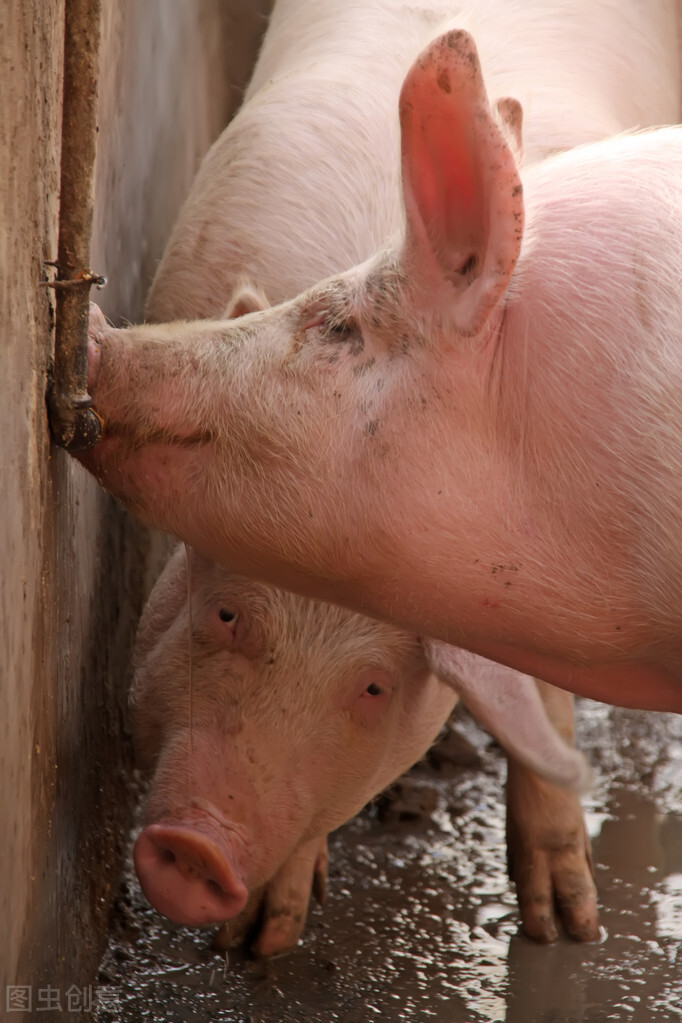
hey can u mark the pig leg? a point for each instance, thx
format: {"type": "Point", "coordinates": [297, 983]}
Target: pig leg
{"type": "Point", "coordinates": [548, 848]}
{"type": "Point", "coordinates": [277, 913]}
{"type": "Point", "coordinates": [287, 897]}
{"type": "Point", "coordinates": [236, 932]}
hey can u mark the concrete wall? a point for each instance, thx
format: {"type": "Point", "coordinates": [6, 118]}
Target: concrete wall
{"type": "Point", "coordinates": [74, 568]}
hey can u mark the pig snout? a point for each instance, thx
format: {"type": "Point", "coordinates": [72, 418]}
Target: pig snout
{"type": "Point", "coordinates": [187, 874]}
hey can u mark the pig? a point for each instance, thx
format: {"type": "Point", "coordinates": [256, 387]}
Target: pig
{"type": "Point", "coordinates": [528, 513]}
{"type": "Point", "coordinates": [305, 181]}
{"type": "Point", "coordinates": [266, 720]}
{"type": "Point", "coordinates": [247, 784]}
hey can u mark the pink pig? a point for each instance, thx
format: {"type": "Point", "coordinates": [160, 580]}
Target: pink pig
{"type": "Point", "coordinates": [475, 434]}
{"type": "Point", "coordinates": [269, 719]}
{"type": "Point", "coordinates": [226, 232]}
{"type": "Point", "coordinates": [305, 181]}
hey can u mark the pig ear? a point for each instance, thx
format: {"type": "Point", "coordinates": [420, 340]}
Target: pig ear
{"type": "Point", "coordinates": [462, 191]}
{"type": "Point", "coordinates": [246, 298]}
{"type": "Point", "coordinates": [509, 705]}
{"type": "Point", "coordinates": [165, 602]}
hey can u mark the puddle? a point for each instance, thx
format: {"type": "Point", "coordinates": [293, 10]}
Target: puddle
{"type": "Point", "coordinates": [421, 923]}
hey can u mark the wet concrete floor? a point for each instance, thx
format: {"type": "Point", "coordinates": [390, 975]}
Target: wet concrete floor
{"type": "Point", "coordinates": [421, 924]}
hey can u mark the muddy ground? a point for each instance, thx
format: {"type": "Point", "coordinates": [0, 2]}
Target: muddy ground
{"type": "Point", "coordinates": [420, 922]}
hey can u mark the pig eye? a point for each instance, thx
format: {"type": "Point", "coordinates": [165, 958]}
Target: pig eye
{"type": "Point", "coordinates": [374, 689]}
{"type": "Point", "coordinates": [226, 615]}
{"type": "Point", "coordinates": [332, 329]}
{"type": "Point", "coordinates": [372, 695]}
{"type": "Point", "coordinates": [339, 330]}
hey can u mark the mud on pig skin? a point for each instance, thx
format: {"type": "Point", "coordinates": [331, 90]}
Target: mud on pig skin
{"type": "Point", "coordinates": [475, 434]}
{"type": "Point", "coordinates": [267, 720]}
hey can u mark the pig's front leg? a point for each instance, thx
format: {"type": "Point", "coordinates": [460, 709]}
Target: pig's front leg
{"type": "Point", "coordinates": [548, 847]}
{"type": "Point", "coordinates": [282, 913]}
{"type": "Point", "coordinates": [287, 897]}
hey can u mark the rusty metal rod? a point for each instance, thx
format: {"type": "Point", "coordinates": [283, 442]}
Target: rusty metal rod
{"type": "Point", "coordinates": [74, 424]}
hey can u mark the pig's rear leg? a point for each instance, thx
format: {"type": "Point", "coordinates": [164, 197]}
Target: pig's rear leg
{"type": "Point", "coordinates": [548, 848]}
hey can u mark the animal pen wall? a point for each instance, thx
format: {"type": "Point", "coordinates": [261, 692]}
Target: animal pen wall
{"type": "Point", "coordinates": [75, 568]}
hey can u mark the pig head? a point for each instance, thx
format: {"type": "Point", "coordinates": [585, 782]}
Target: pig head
{"type": "Point", "coordinates": [267, 720]}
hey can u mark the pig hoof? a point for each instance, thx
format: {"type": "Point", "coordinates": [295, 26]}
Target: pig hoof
{"type": "Point", "coordinates": [549, 859]}
{"type": "Point", "coordinates": [280, 933]}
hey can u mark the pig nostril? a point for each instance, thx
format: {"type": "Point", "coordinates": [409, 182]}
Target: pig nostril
{"type": "Point", "coordinates": [167, 855]}
{"type": "Point", "coordinates": [214, 887]}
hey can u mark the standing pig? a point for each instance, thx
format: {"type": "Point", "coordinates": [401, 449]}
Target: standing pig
{"type": "Point", "coordinates": [475, 434]}
{"type": "Point", "coordinates": [269, 719]}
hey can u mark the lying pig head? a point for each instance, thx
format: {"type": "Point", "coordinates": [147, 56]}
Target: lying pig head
{"type": "Point", "coordinates": [266, 720]}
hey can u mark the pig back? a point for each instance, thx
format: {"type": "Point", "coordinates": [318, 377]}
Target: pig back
{"type": "Point", "coordinates": [304, 182]}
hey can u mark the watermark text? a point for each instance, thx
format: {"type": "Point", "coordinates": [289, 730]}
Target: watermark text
{"type": "Point", "coordinates": [32, 998]}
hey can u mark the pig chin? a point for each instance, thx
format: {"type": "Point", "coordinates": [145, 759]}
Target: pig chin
{"type": "Point", "coordinates": [144, 478]}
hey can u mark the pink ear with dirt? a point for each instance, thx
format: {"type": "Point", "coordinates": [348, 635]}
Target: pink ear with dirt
{"type": "Point", "coordinates": [462, 190]}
